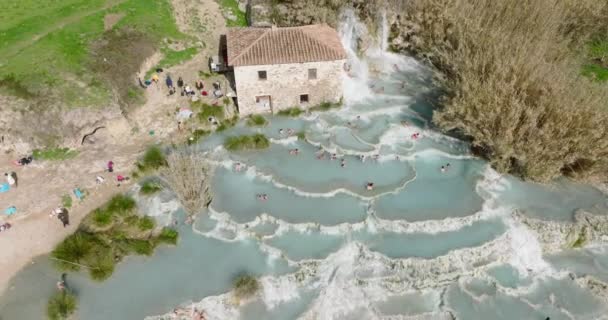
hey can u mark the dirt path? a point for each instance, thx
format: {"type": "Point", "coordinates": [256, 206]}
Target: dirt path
{"type": "Point", "coordinates": [42, 184]}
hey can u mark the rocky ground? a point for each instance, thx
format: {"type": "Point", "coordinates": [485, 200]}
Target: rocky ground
{"type": "Point", "coordinates": [122, 140]}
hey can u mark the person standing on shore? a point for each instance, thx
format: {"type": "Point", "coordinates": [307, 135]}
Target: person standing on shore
{"type": "Point", "coordinates": [110, 166]}
{"type": "Point", "coordinates": [13, 174]}
{"type": "Point", "coordinates": [9, 179]}
{"type": "Point", "coordinates": [64, 217]}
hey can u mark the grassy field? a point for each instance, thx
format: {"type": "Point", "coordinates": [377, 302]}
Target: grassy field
{"type": "Point", "coordinates": [48, 44]}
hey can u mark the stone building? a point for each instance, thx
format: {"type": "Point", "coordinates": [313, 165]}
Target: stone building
{"type": "Point", "coordinates": [281, 68]}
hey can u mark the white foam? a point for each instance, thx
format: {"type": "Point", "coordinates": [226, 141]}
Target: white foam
{"type": "Point", "coordinates": [526, 255]}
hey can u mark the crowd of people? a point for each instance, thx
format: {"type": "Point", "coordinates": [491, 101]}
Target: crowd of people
{"type": "Point", "coordinates": [60, 212]}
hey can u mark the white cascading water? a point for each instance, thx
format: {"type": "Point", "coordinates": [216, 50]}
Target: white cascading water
{"type": "Point", "coordinates": [335, 276]}
{"type": "Point", "coordinates": [356, 76]}
{"type": "Point", "coordinates": [384, 35]}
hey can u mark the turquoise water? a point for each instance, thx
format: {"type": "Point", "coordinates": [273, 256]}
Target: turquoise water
{"type": "Point", "coordinates": [422, 242]}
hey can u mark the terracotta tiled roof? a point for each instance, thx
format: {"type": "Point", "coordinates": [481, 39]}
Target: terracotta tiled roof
{"type": "Point", "coordinates": [263, 46]}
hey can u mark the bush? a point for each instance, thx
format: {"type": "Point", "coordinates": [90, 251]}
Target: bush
{"type": "Point", "coordinates": [189, 175]}
{"type": "Point", "coordinates": [204, 111]}
{"type": "Point", "coordinates": [100, 250]}
{"type": "Point", "coordinates": [153, 159]}
{"type": "Point", "coordinates": [61, 305]}
{"type": "Point", "coordinates": [121, 204]}
{"type": "Point", "coordinates": [102, 218]}
{"type": "Point", "coordinates": [245, 286]}
{"type": "Point", "coordinates": [141, 247]}
{"type": "Point", "coordinates": [168, 236]}
{"type": "Point", "coordinates": [527, 110]}
{"type": "Point", "coordinates": [66, 201]}
{"type": "Point", "coordinates": [146, 223]}
{"type": "Point", "coordinates": [227, 123]}
{"type": "Point", "coordinates": [150, 187]}
{"type": "Point", "coordinates": [197, 135]}
{"type": "Point", "coordinates": [301, 135]}
{"type": "Point", "coordinates": [253, 142]}
{"type": "Point", "coordinates": [102, 263]}
{"type": "Point", "coordinates": [291, 112]}
{"type": "Point", "coordinates": [256, 120]}
{"type": "Point", "coordinates": [73, 250]}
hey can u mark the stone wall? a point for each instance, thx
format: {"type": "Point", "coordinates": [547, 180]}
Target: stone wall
{"type": "Point", "coordinates": [285, 83]}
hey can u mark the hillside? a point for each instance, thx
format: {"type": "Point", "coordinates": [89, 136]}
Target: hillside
{"type": "Point", "coordinates": [67, 67]}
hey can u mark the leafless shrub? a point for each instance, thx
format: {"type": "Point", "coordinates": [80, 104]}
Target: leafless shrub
{"type": "Point", "coordinates": [189, 175]}
{"type": "Point", "coordinates": [512, 73]}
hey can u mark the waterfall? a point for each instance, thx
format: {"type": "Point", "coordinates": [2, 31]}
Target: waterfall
{"type": "Point", "coordinates": [356, 78]}
{"type": "Point", "coordinates": [384, 33]}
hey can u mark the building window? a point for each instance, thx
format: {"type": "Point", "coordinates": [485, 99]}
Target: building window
{"type": "Point", "coordinates": [262, 75]}
{"type": "Point", "coordinates": [312, 74]}
{"type": "Point", "coordinates": [303, 98]}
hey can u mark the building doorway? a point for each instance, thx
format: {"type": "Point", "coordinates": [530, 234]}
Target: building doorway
{"type": "Point", "coordinates": [264, 103]}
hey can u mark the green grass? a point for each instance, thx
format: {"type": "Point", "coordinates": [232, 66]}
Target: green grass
{"type": "Point", "coordinates": [252, 142]}
{"type": "Point", "coordinates": [121, 204]}
{"type": "Point", "coordinates": [581, 240]}
{"type": "Point", "coordinates": [597, 66]}
{"type": "Point", "coordinates": [54, 154]}
{"type": "Point", "coordinates": [232, 7]}
{"type": "Point", "coordinates": [153, 159]}
{"type": "Point", "coordinates": [256, 120]}
{"type": "Point", "coordinates": [228, 123]}
{"type": "Point", "coordinates": [301, 135]}
{"type": "Point", "coordinates": [42, 42]}
{"type": "Point", "coordinates": [598, 49]}
{"type": "Point", "coordinates": [106, 236]}
{"type": "Point", "coordinates": [102, 218]}
{"type": "Point", "coordinates": [295, 111]}
{"type": "Point", "coordinates": [204, 111]}
{"type": "Point", "coordinates": [169, 236]}
{"type": "Point", "coordinates": [146, 223]}
{"type": "Point", "coordinates": [173, 58]}
{"type": "Point", "coordinates": [291, 112]}
{"type": "Point", "coordinates": [325, 106]}
{"type": "Point", "coordinates": [66, 201]}
{"type": "Point", "coordinates": [150, 187]}
{"type": "Point", "coordinates": [596, 72]}
{"type": "Point", "coordinates": [197, 135]}
{"type": "Point", "coordinates": [245, 286]}
{"type": "Point", "coordinates": [61, 305]}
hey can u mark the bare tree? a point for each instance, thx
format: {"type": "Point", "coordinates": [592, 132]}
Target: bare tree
{"type": "Point", "coordinates": [189, 175]}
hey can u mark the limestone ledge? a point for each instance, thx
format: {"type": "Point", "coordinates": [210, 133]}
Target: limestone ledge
{"type": "Point", "coordinates": [556, 236]}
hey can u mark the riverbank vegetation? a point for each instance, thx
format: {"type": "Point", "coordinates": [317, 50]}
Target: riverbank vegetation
{"type": "Point", "coordinates": [296, 111]}
{"type": "Point", "coordinates": [325, 106]}
{"type": "Point", "coordinates": [245, 286]}
{"type": "Point", "coordinates": [511, 71]}
{"type": "Point", "coordinates": [107, 235]}
{"type": "Point", "coordinates": [290, 112]}
{"type": "Point", "coordinates": [61, 305]}
{"type": "Point", "coordinates": [153, 159]}
{"type": "Point", "coordinates": [150, 187]}
{"type": "Point", "coordinates": [256, 120]}
{"type": "Point", "coordinates": [189, 176]}
{"type": "Point", "coordinates": [245, 142]}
